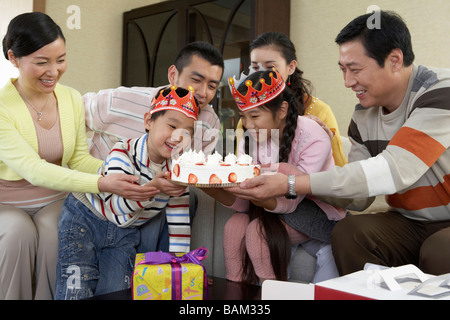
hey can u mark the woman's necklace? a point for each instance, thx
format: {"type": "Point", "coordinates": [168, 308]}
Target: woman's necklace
{"type": "Point", "coordinates": [39, 113]}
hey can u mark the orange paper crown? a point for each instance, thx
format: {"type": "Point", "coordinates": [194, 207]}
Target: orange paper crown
{"type": "Point", "coordinates": [172, 101]}
{"type": "Point", "coordinates": [255, 98]}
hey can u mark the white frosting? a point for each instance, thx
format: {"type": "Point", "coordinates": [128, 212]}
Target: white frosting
{"type": "Point", "coordinates": [214, 159]}
{"type": "Point", "coordinates": [230, 159]}
{"type": "Point", "coordinates": [191, 167]}
{"type": "Point", "coordinates": [192, 157]}
{"type": "Point", "coordinates": [244, 159]}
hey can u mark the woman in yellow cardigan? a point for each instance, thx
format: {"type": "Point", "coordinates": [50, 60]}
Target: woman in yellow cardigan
{"type": "Point", "coordinates": [43, 155]}
{"type": "Point", "coordinates": [273, 49]}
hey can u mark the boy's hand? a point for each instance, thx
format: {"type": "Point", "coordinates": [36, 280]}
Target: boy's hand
{"type": "Point", "coordinates": [161, 182]}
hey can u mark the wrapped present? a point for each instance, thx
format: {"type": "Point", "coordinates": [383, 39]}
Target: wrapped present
{"type": "Point", "coordinates": [167, 276]}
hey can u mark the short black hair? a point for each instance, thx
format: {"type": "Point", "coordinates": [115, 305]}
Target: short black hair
{"type": "Point", "coordinates": [29, 32]}
{"type": "Point", "coordinates": [379, 42]}
{"type": "Point", "coordinates": [204, 50]}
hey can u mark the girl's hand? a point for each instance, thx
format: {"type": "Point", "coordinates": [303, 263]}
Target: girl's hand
{"type": "Point", "coordinates": [125, 186]}
{"type": "Point", "coordinates": [268, 186]}
{"type": "Point", "coordinates": [261, 188]}
{"type": "Point", "coordinates": [161, 182]}
{"type": "Point", "coordinates": [221, 195]}
{"type": "Point", "coordinates": [212, 192]}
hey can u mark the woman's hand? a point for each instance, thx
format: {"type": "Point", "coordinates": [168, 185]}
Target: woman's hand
{"type": "Point", "coordinates": [126, 186]}
{"type": "Point", "coordinates": [322, 124]}
{"type": "Point", "coordinates": [161, 182]}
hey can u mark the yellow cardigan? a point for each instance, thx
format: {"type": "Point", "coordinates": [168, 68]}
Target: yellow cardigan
{"type": "Point", "coordinates": [19, 158]}
{"type": "Point", "coordinates": [323, 111]}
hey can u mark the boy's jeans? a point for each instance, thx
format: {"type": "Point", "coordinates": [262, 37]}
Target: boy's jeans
{"type": "Point", "coordinates": [94, 256]}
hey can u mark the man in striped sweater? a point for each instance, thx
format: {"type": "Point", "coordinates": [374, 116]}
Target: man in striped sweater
{"type": "Point", "coordinates": [100, 233]}
{"type": "Point", "coordinates": [400, 138]}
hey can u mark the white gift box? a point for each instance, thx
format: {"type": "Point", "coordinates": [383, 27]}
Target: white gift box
{"type": "Point", "coordinates": [381, 283]}
{"type": "Point", "coordinates": [373, 283]}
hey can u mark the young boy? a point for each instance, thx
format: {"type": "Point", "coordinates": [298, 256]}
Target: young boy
{"type": "Point", "coordinates": [99, 233]}
{"type": "Point", "coordinates": [116, 113]}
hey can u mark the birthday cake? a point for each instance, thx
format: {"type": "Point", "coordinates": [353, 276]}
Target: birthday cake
{"type": "Point", "coordinates": [194, 168]}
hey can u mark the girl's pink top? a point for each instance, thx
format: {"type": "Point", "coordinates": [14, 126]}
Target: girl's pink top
{"type": "Point", "coordinates": [310, 152]}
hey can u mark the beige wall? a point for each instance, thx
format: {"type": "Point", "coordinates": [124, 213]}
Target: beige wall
{"type": "Point", "coordinates": [315, 24]}
{"type": "Point", "coordinates": [95, 50]}
{"type": "Point", "coordinates": [8, 10]}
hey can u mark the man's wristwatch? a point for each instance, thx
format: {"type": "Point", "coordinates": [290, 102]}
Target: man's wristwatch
{"type": "Point", "coordinates": [291, 187]}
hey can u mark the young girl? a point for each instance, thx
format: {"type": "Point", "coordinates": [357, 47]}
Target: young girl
{"type": "Point", "coordinates": [276, 50]}
{"type": "Point", "coordinates": [257, 240]}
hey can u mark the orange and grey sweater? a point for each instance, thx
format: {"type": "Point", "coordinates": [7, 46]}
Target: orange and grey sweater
{"type": "Point", "coordinates": [403, 155]}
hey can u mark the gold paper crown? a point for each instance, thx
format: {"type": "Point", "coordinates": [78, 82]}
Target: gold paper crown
{"type": "Point", "coordinates": [172, 101]}
{"type": "Point", "coordinates": [255, 98]}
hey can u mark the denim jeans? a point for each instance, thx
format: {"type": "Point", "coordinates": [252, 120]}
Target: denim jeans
{"type": "Point", "coordinates": [90, 247]}
{"type": "Point", "coordinates": [94, 256]}
{"type": "Point", "coordinates": [155, 233]}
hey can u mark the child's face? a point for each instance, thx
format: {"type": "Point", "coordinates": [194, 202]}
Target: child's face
{"type": "Point", "coordinates": [168, 134]}
{"type": "Point", "coordinates": [261, 121]}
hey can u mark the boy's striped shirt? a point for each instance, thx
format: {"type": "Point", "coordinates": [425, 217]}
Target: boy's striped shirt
{"type": "Point", "coordinates": [131, 157]}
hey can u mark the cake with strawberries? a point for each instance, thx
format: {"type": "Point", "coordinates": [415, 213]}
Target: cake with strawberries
{"type": "Point", "coordinates": [194, 168]}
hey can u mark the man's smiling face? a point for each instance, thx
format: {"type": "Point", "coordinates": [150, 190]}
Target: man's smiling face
{"type": "Point", "coordinates": [372, 84]}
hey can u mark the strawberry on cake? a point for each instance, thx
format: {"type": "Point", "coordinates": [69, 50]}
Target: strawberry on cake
{"type": "Point", "coordinates": [194, 168]}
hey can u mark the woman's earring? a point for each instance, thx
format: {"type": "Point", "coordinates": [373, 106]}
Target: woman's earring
{"type": "Point", "coordinates": [289, 81]}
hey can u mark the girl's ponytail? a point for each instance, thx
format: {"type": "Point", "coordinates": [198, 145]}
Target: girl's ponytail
{"type": "Point", "coordinates": [290, 126]}
{"type": "Point", "coordinates": [301, 89]}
